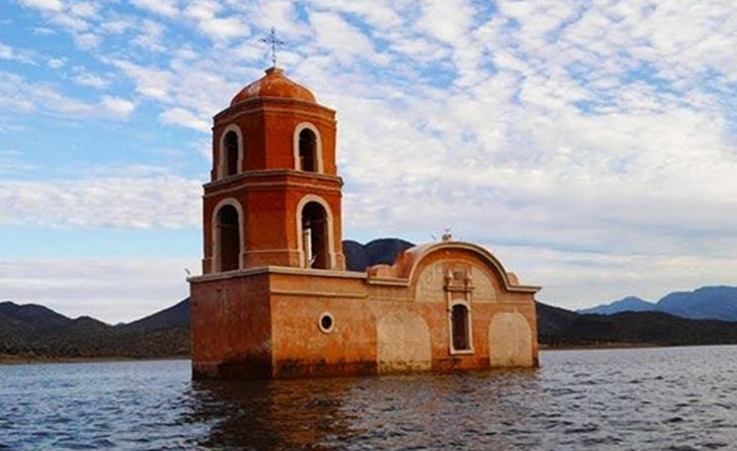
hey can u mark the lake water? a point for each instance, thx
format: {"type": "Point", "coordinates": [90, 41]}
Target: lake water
{"type": "Point", "coordinates": [663, 398]}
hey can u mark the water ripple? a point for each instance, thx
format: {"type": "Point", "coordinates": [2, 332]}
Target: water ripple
{"type": "Point", "coordinates": [675, 398]}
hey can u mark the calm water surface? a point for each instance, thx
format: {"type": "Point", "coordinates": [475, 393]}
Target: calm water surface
{"type": "Point", "coordinates": [666, 398]}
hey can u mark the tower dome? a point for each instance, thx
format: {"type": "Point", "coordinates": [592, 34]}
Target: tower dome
{"type": "Point", "coordinates": [274, 84]}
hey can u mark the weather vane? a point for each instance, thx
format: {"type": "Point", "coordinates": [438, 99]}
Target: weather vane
{"type": "Point", "coordinates": [274, 41]}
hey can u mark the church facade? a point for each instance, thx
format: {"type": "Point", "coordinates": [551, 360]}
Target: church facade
{"type": "Point", "coordinates": [275, 299]}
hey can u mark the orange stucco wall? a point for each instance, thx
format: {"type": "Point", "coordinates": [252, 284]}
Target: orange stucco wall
{"type": "Point", "coordinates": [268, 127]}
{"type": "Point", "coordinates": [265, 324]}
{"type": "Point", "coordinates": [268, 187]}
{"type": "Point", "coordinates": [231, 327]}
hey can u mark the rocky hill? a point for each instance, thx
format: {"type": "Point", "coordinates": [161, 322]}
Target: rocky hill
{"type": "Point", "coordinates": [33, 331]}
{"type": "Point", "coordinates": [359, 256]}
{"type": "Point", "coordinates": [174, 316]}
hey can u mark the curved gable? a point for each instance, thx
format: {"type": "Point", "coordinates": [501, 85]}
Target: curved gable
{"type": "Point", "coordinates": [409, 265]}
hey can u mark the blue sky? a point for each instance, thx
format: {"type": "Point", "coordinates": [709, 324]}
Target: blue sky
{"type": "Point", "coordinates": [591, 145]}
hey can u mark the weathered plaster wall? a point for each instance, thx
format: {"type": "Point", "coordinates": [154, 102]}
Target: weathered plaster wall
{"type": "Point", "coordinates": [403, 342]}
{"type": "Point", "coordinates": [430, 283]}
{"type": "Point", "coordinates": [231, 327]}
{"type": "Point", "coordinates": [510, 340]}
{"type": "Point", "coordinates": [484, 289]}
{"type": "Point", "coordinates": [301, 348]}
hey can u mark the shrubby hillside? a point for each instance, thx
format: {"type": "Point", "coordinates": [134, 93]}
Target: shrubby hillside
{"type": "Point", "coordinates": [558, 327]}
{"type": "Point", "coordinates": [33, 331]}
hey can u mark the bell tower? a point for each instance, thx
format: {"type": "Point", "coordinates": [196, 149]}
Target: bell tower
{"type": "Point", "coordinates": [274, 196]}
{"type": "Point", "coordinates": [275, 300]}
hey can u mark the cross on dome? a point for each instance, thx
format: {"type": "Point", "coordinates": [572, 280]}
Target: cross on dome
{"type": "Point", "coordinates": [274, 41]}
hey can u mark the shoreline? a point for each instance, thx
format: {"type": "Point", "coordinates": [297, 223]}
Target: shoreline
{"type": "Point", "coordinates": [6, 359]}
{"type": "Point", "coordinates": [613, 345]}
{"type": "Point", "coordinates": [40, 360]}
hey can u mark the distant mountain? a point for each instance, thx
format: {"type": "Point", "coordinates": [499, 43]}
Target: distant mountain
{"type": "Point", "coordinates": [32, 314]}
{"type": "Point", "coordinates": [175, 316]}
{"type": "Point", "coordinates": [559, 327]}
{"type": "Point", "coordinates": [719, 303]}
{"type": "Point", "coordinates": [33, 331]}
{"type": "Point", "coordinates": [706, 302]}
{"type": "Point", "coordinates": [355, 256]}
{"type": "Point", "coordinates": [359, 256]}
{"type": "Point", "coordinates": [628, 304]}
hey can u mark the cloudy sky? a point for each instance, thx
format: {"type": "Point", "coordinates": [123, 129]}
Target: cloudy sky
{"type": "Point", "coordinates": [591, 145]}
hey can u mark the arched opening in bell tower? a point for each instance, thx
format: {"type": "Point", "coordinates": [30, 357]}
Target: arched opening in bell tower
{"type": "Point", "coordinates": [231, 153]}
{"type": "Point", "coordinates": [315, 240]}
{"type": "Point", "coordinates": [228, 242]}
{"type": "Point", "coordinates": [308, 151]}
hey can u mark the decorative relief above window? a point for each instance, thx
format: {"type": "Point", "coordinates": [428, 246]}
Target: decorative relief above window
{"type": "Point", "coordinates": [458, 278]}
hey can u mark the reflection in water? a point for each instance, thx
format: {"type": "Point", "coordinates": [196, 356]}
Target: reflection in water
{"type": "Point", "coordinates": [269, 415]}
{"type": "Point", "coordinates": [418, 411]}
{"type": "Point", "coordinates": [674, 398]}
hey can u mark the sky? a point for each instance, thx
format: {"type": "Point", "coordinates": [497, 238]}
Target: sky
{"type": "Point", "coordinates": [590, 145]}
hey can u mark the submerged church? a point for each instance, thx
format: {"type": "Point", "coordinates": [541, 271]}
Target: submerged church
{"type": "Point", "coordinates": [275, 299]}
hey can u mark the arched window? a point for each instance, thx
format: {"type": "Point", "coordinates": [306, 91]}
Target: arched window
{"type": "Point", "coordinates": [308, 151]}
{"type": "Point", "coordinates": [230, 153]}
{"type": "Point", "coordinates": [228, 239]}
{"type": "Point", "coordinates": [315, 236]}
{"type": "Point", "coordinates": [460, 328]}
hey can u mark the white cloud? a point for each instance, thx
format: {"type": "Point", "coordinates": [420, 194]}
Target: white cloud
{"type": "Point", "coordinates": [87, 40]}
{"type": "Point", "coordinates": [150, 82]}
{"type": "Point", "coordinates": [382, 15]}
{"type": "Point", "coordinates": [168, 8]}
{"type": "Point", "coordinates": [56, 63]}
{"type": "Point", "coordinates": [280, 14]}
{"type": "Point", "coordinates": [184, 118]}
{"type": "Point", "coordinates": [84, 9]}
{"type": "Point", "coordinates": [205, 14]}
{"type": "Point", "coordinates": [151, 36]}
{"type": "Point", "coordinates": [448, 22]}
{"type": "Point", "coordinates": [12, 94]}
{"type": "Point", "coordinates": [110, 289]}
{"type": "Point", "coordinates": [189, 91]}
{"type": "Point", "coordinates": [117, 106]}
{"type": "Point", "coordinates": [84, 78]}
{"type": "Point", "coordinates": [345, 42]}
{"type": "Point", "coordinates": [132, 202]}
{"type": "Point", "coordinates": [6, 52]}
{"type": "Point", "coordinates": [15, 54]}
{"type": "Point", "coordinates": [47, 5]}
{"type": "Point", "coordinates": [576, 279]}
{"type": "Point", "coordinates": [117, 25]}
{"type": "Point", "coordinates": [18, 94]}
{"type": "Point", "coordinates": [75, 24]}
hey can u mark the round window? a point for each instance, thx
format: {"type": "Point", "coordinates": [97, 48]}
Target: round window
{"type": "Point", "coordinates": [326, 322]}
